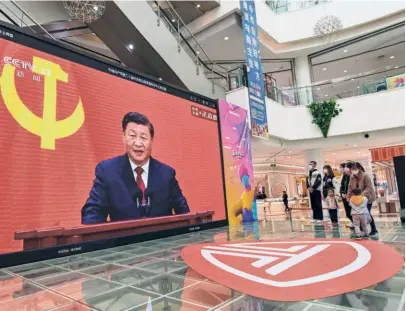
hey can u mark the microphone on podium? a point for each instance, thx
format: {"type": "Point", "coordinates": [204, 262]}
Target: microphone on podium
{"type": "Point", "coordinates": [138, 197]}
{"type": "Point", "coordinates": [148, 197]}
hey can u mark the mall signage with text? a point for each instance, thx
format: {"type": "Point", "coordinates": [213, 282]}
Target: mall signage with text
{"type": "Point", "coordinates": [256, 91]}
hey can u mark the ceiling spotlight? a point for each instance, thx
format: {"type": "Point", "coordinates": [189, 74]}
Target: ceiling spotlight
{"type": "Point", "coordinates": [318, 89]}
{"type": "Point", "coordinates": [396, 67]}
{"type": "Point", "coordinates": [352, 79]}
{"type": "Point", "coordinates": [95, 7]}
{"type": "Point", "coordinates": [325, 95]}
{"type": "Point", "coordinates": [345, 71]}
{"type": "Point", "coordinates": [324, 69]}
{"type": "Point", "coordinates": [130, 46]}
{"type": "Point", "coordinates": [358, 87]}
{"type": "Point", "coordinates": [226, 38]}
{"type": "Point", "coordinates": [173, 20]}
{"type": "Point", "coordinates": [160, 79]}
{"type": "Point", "coordinates": [392, 57]}
{"type": "Point", "coordinates": [345, 51]}
{"type": "Point", "coordinates": [198, 5]}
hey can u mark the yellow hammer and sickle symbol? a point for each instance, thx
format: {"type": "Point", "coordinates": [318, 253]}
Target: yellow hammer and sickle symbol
{"type": "Point", "coordinates": [47, 127]}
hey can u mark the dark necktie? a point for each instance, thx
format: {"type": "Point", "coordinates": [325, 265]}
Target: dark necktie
{"type": "Point", "coordinates": [140, 182]}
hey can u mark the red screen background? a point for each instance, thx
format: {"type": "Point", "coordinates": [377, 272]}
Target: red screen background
{"type": "Point", "coordinates": [42, 188]}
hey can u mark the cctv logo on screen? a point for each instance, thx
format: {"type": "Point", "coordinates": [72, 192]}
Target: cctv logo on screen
{"type": "Point", "coordinates": [46, 127]}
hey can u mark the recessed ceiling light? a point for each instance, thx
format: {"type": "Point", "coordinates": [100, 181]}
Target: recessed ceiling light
{"type": "Point", "coordinates": [352, 79]}
{"type": "Point", "coordinates": [173, 20]}
{"type": "Point", "coordinates": [392, 57]}
{"type": "Point", "coordinates": [318, 89]}
{"type": "Point", "coordinates": [325, 95]}
{"type": "Point", "coordinates": [95, 7]}
{"type": "Point", "coordinates": [198, 5]}
{"type": "Point", "coordinates": [358, 87]}
{"type": "Point", "coordinates": [160, 79]}
{"type": "Point", "coordinates": [324, 69]}
{"type": "Point", "coordinates": [345, 51]}
{"type": "Point", "coordinates": [345, 71]}
{"type": "Point", "coordinates": [226, 38]}
{"type": "Point", "coordinates": [130, 46]}
{"type": "Point", "coordinates": [396, 67]}
{"type": "Point", "coordinates": [197, 52]}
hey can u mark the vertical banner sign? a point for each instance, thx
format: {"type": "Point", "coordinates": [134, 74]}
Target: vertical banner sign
{"type": "Point", "coordinates": [256, 91]}
{"type": "Point", "coordinates": [238, 169]}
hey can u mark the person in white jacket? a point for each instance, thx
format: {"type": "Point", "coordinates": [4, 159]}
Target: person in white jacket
{"type": "Point", "coordinates": [360, 214]}
{"type": "Point", "coordinates": [330, 182]}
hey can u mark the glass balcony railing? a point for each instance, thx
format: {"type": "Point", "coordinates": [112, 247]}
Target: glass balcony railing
{"type": "Point", "coordinates": [281, 6]}
{"type": "Point", "coordinates": [339, 90]}
{"type": "Point", "coordinates": [294, 96]}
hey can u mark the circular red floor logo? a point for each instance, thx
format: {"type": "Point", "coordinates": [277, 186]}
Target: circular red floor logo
{"type": "Point", "coordinates": [295, 270]}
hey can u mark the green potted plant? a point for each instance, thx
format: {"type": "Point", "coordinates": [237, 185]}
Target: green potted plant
{"type": "Point", "coordinates": [323, 112]}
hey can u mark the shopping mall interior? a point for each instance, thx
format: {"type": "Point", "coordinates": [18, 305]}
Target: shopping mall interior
{"type": "Point", "coordinates": [245, 106]}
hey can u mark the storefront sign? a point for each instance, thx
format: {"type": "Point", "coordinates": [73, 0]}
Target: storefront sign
{"type": "Point", "coordinates": [387, 153]}
{"type": "Point", "coordinates": [295, 270]}
{"type": "Point", "coordinates": [256, 91]}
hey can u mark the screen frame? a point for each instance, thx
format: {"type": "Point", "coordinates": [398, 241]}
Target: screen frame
{"type": "Point", "coordinates": [43, 44]}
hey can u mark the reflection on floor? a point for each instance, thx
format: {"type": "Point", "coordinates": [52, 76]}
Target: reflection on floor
{"type": "Point", "coordinates": [152, 276]}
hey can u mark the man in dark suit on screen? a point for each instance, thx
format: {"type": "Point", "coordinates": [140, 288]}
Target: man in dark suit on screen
{"type": "Point", "coordinates": [121, 181]}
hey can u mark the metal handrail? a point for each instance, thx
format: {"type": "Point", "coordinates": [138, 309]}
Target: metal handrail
{"type": "Point", "coordinates": [33, 20]}
{"type": "Point", "coordinates": [194, 52]}
{"type": "Point", "coordinates": [184, 26]}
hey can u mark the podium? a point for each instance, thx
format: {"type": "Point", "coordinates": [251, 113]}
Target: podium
{"type": "Point", "coordinates": [41, 238]}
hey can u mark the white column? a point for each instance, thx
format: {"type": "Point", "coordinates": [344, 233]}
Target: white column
{"type": "Point", "coordinates": [303, 80]}
{"type": "Point", "coordinates": [314, 155]}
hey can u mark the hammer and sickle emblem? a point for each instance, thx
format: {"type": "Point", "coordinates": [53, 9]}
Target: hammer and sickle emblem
{"type": "Point", "coordinates": [47, 127]}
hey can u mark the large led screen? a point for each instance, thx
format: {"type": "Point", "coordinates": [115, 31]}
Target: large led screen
{"type": "Point", "coordinates": [85, 152]}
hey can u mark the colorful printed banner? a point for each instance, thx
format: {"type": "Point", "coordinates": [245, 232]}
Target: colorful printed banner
{"type": "Point", "coordinates": [395, 81]}
{"type": "Point", "coordinates": [259, 123]}
{"type": "Point", "coordinates": [238, 169]}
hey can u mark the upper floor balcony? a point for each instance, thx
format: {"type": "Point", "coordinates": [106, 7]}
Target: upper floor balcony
{"type": "Point", "coordinates": [293, 32]}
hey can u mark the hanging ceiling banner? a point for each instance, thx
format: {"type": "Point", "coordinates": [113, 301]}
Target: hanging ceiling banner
{"type": "Point", "coordinates": [256, 91]}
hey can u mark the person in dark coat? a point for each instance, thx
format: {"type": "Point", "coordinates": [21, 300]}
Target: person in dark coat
{"type": "Point", "coordinates": [315, 186]}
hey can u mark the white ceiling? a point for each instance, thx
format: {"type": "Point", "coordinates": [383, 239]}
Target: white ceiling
{"type": "Point", "coordinates": [384, 39]}
{"type": "Point", "coordinates": [367, 65]}
{"type": "Point", "coordinates": [378, 60]}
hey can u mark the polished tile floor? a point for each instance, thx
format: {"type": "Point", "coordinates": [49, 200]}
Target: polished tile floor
{"type": "Point", "coordinates": [152, 276]}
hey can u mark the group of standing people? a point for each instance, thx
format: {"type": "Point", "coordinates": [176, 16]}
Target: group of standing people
{"type": "Point", "coordinates": [355, 183]}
